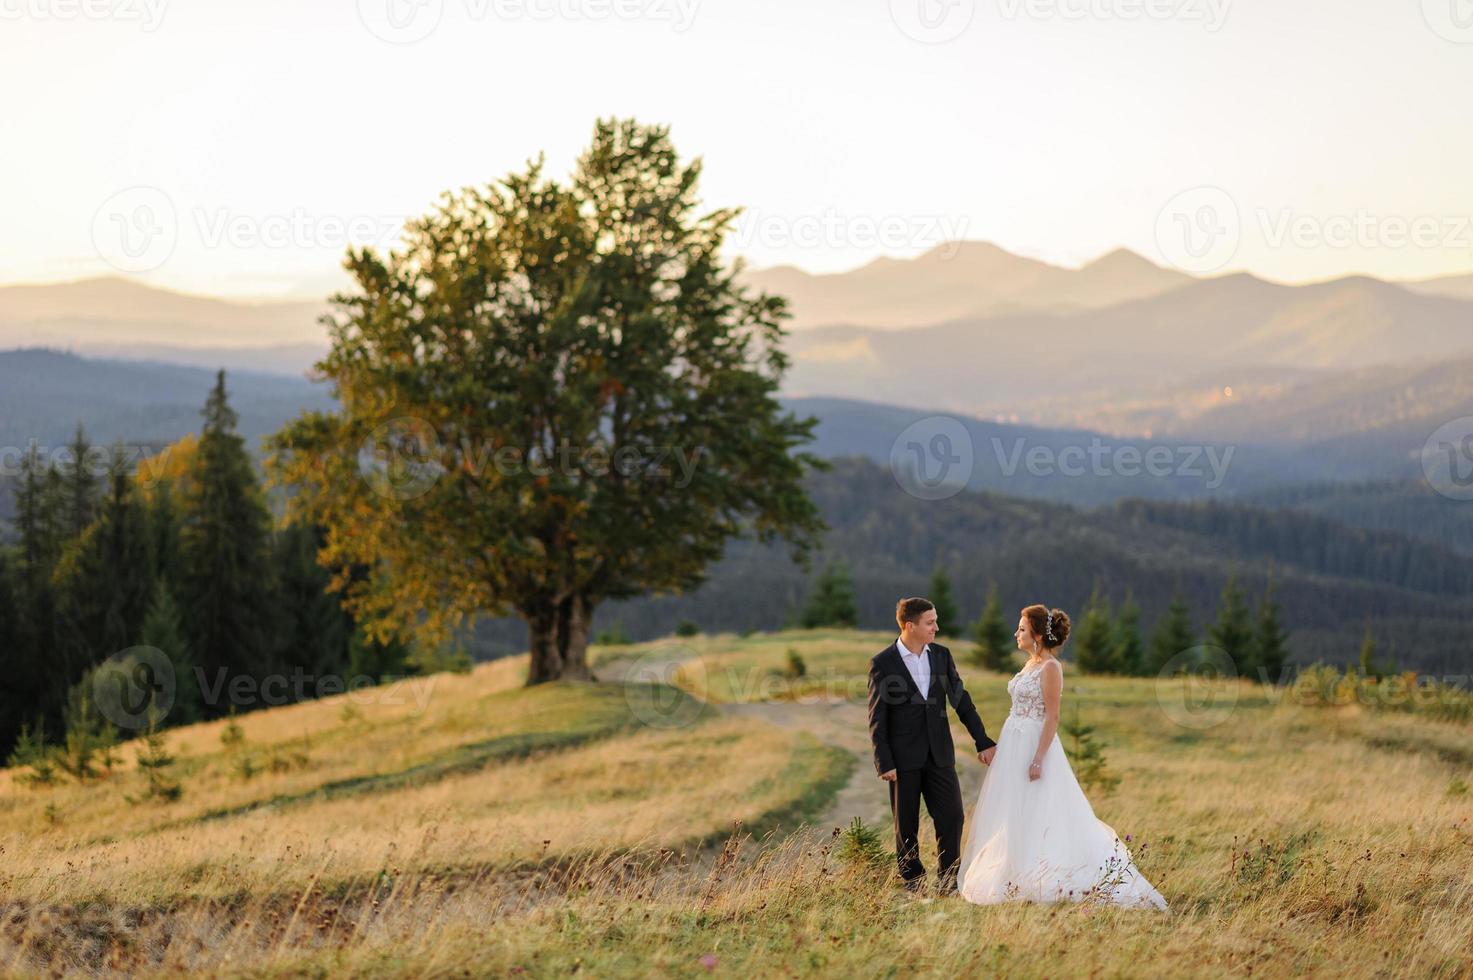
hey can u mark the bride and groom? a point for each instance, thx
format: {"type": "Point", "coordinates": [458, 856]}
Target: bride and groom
{"type": "Point", "coordinates": [1034, 835]}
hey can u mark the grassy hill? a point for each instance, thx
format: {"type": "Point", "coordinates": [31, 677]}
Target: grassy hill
{"type": "Point", "coordinates": [476, 825]}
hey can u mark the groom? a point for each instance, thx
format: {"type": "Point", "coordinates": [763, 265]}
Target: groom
{"type": "Point", "coordinates": [910, 682]}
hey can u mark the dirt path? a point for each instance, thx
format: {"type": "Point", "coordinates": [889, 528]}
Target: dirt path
{"type": "Point", "coordinates": [843, 724]}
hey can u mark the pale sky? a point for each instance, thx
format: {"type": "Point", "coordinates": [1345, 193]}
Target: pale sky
{"type": "Point", "coordinates": [236, 144]}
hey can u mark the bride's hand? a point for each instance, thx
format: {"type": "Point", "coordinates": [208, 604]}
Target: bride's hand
{"type": "Point", "coordinates": [1035, 770]}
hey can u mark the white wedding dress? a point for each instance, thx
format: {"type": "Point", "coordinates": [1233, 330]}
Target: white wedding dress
{"type": "Point", "coordinates": [1039, 840]}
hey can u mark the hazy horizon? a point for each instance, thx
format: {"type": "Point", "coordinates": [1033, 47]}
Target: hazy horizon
{"type": "Point", "coordinates": [250, 143]}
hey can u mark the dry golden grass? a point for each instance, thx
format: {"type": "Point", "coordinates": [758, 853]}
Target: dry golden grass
{"type": "Point", "coordinates": [1288, 840]}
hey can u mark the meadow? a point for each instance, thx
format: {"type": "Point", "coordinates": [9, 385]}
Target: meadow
{"type": "Point", "coordinates": [687, 816]}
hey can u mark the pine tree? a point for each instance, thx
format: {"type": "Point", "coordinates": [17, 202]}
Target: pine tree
{"type": "Point", "coordinates": [1094, 645]}
{"type": "Point", "coordinates": [163, 533]}
{"type": "Point", "coordinates": [81, 486]}
{"type": "Point", "coordinates": [31, 751]}
{"type": "Point", "coordinates": [1368, 665]}
{"type": "Point", "coordinates": [995, 645]}
{"type": "Point", "coordinates": [941, 598]}
{"type": "Point", "coordinates": [1173, 634]}
{"type": "Point", "coordinates": [89, 739]}
{"type": "Point", "coordinates": [163, 629]}
{"type": "Point", "coordinates": [1233, 633]}
{"type": "Point", "coordinates": [315, 631]}
{"type": "Point", "coordinates": [1129, 655]}
{"type": "Point", "coordinates": [1270, 643]}
{"type": "Point", "coordinates": [832, 602]}
{"type": "Point", "coordinates": [10, 653]}
{"type": "Point", "coordinates": [103, 579]}
{"type": "Point", "coordinates": [154, 759]}
{"type": "Point", "coordinates": [34, 685]}
{"type": "Point", "coordinates": [226, 589]}
{"type": "Point", "coordinates": [1086, 756]}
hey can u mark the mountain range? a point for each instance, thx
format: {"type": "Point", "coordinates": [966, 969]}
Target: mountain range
{"type": "Point", "coordinates": [1119, 346]}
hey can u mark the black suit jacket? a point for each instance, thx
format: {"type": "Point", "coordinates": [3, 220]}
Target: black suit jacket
{"type": "Point", "coordinates": [904, 723]}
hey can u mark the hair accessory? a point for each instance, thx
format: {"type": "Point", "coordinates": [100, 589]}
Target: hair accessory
{"type": "Point", "coordinates": [1048, 626]}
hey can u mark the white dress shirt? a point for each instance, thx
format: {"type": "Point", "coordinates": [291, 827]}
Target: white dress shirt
{"type": "Point", "coordinates": [919, 665]}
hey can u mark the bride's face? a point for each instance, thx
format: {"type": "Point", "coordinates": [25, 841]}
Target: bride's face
{"type": "Point", "coordinates": [1024, 634]}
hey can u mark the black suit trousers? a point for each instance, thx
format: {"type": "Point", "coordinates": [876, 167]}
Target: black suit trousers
{"type": "Point", "coordinates": [939, 786]}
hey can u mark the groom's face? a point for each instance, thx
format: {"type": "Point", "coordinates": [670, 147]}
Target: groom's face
{"type": "Point", "coordinates": [925, 627]}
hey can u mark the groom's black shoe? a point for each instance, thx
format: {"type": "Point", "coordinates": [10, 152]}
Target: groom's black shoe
{"type": "Point", "coordinates": [915, 885]}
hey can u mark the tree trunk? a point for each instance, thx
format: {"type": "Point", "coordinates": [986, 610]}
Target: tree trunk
{"type": "Point", "coordinates": [557, 637]}
{"type": "Point", "coordinates": [575, 617]}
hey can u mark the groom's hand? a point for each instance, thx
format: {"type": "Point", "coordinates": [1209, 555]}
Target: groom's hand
{"type": "Point", "coordinates": [888, 777]}
{"type": "Point", "coordinates": [985, 756]}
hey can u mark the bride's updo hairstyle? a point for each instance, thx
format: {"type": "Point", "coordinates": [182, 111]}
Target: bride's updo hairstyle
{"type": "Point", "coordinates": [1050, 625]}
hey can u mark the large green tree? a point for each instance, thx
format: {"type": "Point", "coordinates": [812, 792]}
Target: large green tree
{"type": "Point", "coordinates": [552, 394]}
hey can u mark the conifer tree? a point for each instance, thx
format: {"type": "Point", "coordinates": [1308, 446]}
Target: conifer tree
{"type": "Point", "coordinates": [1173, 634]}
{"type": "Point", "coordinates": [1270, 643]}
{"type": "Point", "coordinates": [1094, 645]}
{"type": "Point", "coordinates": [1129, 654]}
{"type": "Point", "coordinates": [1233, 631]}
{"type": "Point", "coordinates": [225, 552]}
{"type": "Point", "coordinates": [941, 598]}
{"type": "Point", "coordinates": [832, 602]}
{"type": "Point", "coordinates": [995, 645]}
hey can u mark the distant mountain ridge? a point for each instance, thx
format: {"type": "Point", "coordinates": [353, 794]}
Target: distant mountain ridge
{"type": "Point", "coordinates": [957, 280]}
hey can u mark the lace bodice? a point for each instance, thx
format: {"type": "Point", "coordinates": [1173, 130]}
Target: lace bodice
{"type": "Point", "coordinates": [1026, 690]}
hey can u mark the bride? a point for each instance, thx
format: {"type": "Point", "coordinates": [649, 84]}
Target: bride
{"type": "Point", "coordinates": [1035, 836]}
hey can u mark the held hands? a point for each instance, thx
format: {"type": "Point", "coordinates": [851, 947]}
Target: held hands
{"type": "Point", "coordinates": [985, 756]}
{"type": "Point", "coordinates": [1035, 770]}
{"type": "Point", "coordinates": [888, 777]}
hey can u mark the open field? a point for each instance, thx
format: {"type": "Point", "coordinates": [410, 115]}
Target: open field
{"type": "Point", "coordinates": [536, 832]}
